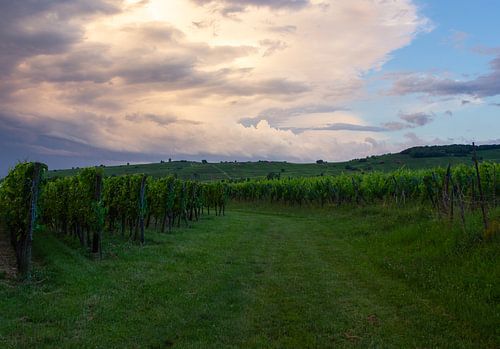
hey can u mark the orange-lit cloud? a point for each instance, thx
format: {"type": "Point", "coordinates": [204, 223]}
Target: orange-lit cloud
{"type": "Point", "coordinates": [179, 76]}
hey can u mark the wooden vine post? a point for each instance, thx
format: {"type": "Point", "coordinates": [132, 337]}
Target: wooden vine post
{"type": "Point", "coordinates": [25, 250]}
{"type": "Point", "coordinates": [481, 196]}
{"type": "Point", "coordinates": [142, 208]}
{"type": "Point", "coordinates": [97, 233]}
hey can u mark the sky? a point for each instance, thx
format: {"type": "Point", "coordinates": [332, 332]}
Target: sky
{"type": "Point", "coordinates": [89, 82]}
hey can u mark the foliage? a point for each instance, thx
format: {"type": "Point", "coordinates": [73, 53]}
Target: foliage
{"type": "Point", "coordinates": [71, 207]}
{"type": "Point", "coordinates": [398, 186]}
{"type": "Point", "coordinates": [18, 193]}
{"type": "Point", "coordinates": [446, 150]}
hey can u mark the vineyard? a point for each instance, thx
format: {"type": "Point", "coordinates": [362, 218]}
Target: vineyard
{"type": "Point", "coordinates": [443, 188]}
{"type": "Point", "coordinates": [87, 205]}
{"type": "Point", "coordinates": [120, 262]}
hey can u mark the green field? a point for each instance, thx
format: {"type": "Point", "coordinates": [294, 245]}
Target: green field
{"type": "Point", "coordinates": [243, 170]}
{"type": "Point", "coordinates": [267, 277]}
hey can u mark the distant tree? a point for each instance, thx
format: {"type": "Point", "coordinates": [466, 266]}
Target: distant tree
{"type": "Point", "coordinates": [204, 161]}
{"type": "Point", "coordinates": [169, 160]}
{"type": "Point", "coordinates": [320, 162]}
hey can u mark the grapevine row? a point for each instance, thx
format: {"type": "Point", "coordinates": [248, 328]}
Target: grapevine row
{"type": "Point", "coordinates": [397, 187]}
{"type": "Point", "coordinates": [87, 205]}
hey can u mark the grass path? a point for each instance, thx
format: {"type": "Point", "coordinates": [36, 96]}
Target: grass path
{"type": "Point", "coordinates": [257, 278]}
{"type": "Point", "coordinates": [222, 171]}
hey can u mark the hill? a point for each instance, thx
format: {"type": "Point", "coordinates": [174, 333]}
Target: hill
{"type": "Point", "coordinates": [413, 158]}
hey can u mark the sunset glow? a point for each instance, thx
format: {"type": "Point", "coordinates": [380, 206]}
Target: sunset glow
{"type": "Point", "coordinates": [96, 81]}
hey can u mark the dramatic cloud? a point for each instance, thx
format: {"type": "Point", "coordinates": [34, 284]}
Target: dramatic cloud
{"type": "Point", "coordinates": [486, 85]}
{"type": "Point", "coordinates": [43, 27]}
{"type": "Point", "coordinates": [157, 78]}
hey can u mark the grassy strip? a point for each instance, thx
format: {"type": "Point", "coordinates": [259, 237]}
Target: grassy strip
{"type": "Point", "coordinates": [267, 276]}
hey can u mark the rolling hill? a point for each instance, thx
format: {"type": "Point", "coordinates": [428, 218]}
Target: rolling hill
{"type": "Point", "coordinates": [413, 158]}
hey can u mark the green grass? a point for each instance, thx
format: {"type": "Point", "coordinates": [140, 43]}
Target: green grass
{"type": "Point", "coordinates": [267, 277]}
{"type": "Point", "coordinates": [239, 170]}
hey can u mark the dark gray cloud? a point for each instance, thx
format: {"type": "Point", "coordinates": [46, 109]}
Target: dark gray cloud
{"type": "Point", "coordinates": [275, 116]}
{"type": "Point", "coordinates": [411, 120]}
{"type": "Point", "coordinates": [174, 70]}
{"type": "Point", "coordinates": [276, 86]}
{"type": "Point", "coordinates": [396, 125]}
{"type": "Point", "coordinates": [59, 152]}
{"type": "Point", "coordinates": [183, 75]}
{"type": "Point", "coordinates": [174, 67]}
{"type": "Point", "coordinates": [21, 140]}
{"type": "Point", "coordinates": [485, 85]}
{"type": "Point", "coordinates": [95, 63]}
{"type": "Point", "coordinates": [495, 104]}
{"type": "Point", "coordinates": [91, 95]}
{"type": "Point", "coordinates": [339, 126]}
{"type": "Point", "coordinates": [29, 28]}
{"type": "Point", "coordinates": [89, 62]}
{"type": "Point", "coordinates": [157, 32]}
{"type": "Point", "coordinates": [417, 119]}
{"type": "Point", "coordinates": [239, 5]}
{"type": "Point", "coordinates": [57, 143]}
{"type": "Point", "coordinates": [160, 72]}
{"type": "Point", "coordinates": [162, 120]}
